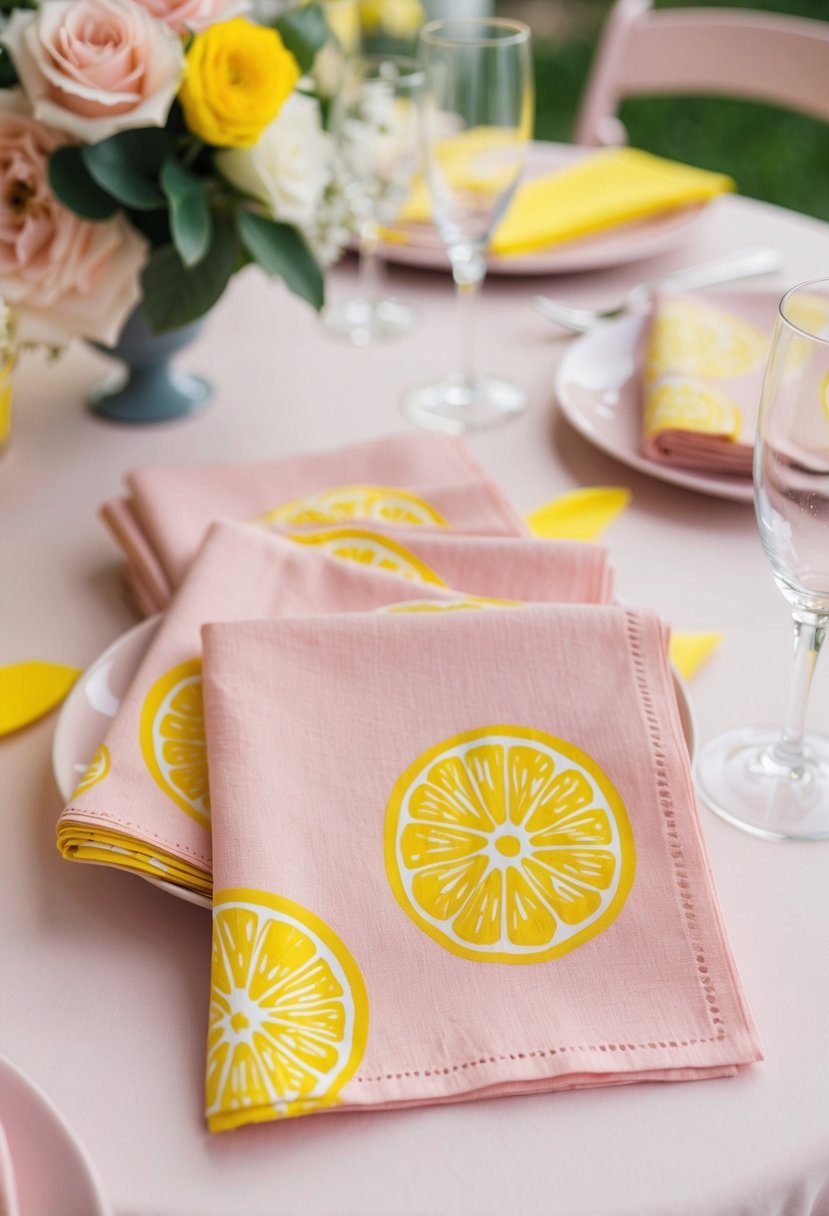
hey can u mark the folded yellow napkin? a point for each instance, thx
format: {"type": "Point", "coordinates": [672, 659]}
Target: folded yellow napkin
{"type": "Point", "coordinates": [602, 190]}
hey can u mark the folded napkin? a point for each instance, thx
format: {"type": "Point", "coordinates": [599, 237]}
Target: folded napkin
{"type": "Point", "coordinates": [703, 358]}
{"type": "Point", "coordinates": [415, 479]}
{"type": "Point", "coordinates": [144, 804]}
{"type": "Point", "coordinates": [469, 864]}
{"type": "Point", "coordinates": [601, 191]}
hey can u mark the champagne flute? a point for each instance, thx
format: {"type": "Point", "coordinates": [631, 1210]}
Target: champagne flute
{"type": "Point", "coordinates": [476, 123]}
{"type": "Point", "coordinates": [375, 126]}
{"type": "Point", "coordinates": [775, 783]}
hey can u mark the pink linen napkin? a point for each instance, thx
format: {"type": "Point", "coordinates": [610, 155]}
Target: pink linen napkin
{"type": "Point", "coordinates": [703, 359]}
{"type": "Point", "coordinates": [416, 479]}
{"type": "Point", "coordinates": [145, 804]}
{"type": "Point", "coordinates": [469, 864]}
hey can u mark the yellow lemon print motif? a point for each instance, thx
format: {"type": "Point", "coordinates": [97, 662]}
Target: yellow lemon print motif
{"type": "Point", "coordinates": [370, 549]}
{"type": "Point", "coordinates": [380, 503]}
{"type": "Point", "coordinates": [471, 601]}
{"type": "Point", "coordinates": [507, 845]}
{"type": "Point", "coordinates": [288, 1011]}
{"type": "Point", "coordinates": [678, 404]}
{"type": "Point", "coordinates": [701, 340]}
{"type": "Point", "coordinates": [172, 739]}
{"type": "Point", "coordinates": [97, 770]}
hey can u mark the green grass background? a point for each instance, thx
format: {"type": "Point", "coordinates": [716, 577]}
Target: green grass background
{"type": "Point", "coordinates": [772, 154]}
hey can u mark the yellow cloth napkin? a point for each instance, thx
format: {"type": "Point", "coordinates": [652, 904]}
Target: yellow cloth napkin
{"type": "Point", "coordinates": [30, 690]}
{"type": "Point", "coordinates": [602, 190]}
{"type": "Point", "coordinates": [580, 515]}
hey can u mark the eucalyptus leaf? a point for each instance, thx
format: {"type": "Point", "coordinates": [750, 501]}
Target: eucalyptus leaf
{"type": "Point", "coordinates": [127, 166]}
{"type": "Point", "coordinates": [281, 251]}
{"type": "Point", "coordinates": [304, 31]}
{"type": "Point", "coordinates": [71, 184]}
{"type": "Point", "coordinates": [175, 294]}
{"type": "Point", "coordinates": [191, 223]}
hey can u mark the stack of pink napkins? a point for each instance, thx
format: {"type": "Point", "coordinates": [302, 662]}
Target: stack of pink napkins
{"type": "Point", "coordinates": [433, 780]}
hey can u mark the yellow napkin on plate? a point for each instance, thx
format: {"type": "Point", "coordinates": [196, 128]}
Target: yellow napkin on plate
{"type": "Point", "coordinates": [604, 189]}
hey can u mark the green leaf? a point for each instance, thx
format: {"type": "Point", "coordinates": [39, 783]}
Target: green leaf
{"type": "Point", "coordinates": [191, 223]}
{"type": "Point", "coordinates": [280, 250]}
{"type": "Point", "coordinates": [175, 294]}
{"type": "Point", "coordinates": [304, 32]}
{"type": "Point", "coordinates": [8, 72]}
{"type": "Point", "coordinates": [72, 186]}
{"type": "Point", "coordinates": [127, 166]}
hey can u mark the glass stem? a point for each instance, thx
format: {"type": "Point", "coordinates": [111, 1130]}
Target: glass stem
{"type": "Point", "coordinates": [468, 273]}
{"type": "Point", "coordinates": [809, 632]}
{"type": "Point", "coordinates": [371, 269]}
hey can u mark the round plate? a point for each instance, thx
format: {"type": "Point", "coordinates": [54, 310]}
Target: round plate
{"type": "Point", "coordinates": [598, 389]}
{"type": "Point", "coordinates": [52, 1175]}
{"type": "Point", "coordinates": [87, 714]}
{"type": "Point", "coordinates": [420, 245]}
{"type": "Point", "coordinates": [93, 702]}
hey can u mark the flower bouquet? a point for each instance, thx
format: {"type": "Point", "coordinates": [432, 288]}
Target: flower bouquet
{"type": "Point", "coordinates": [149, 149]}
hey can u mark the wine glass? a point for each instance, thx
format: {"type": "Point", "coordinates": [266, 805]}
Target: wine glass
{"type": "Point", "coordinates": [476, 123]}
{"type": "Point", "coordinates": [374, 121]}
{"type": "Point", "coordinates": [775, 783]}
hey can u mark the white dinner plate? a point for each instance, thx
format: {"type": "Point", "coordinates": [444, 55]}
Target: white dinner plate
{"type": "Point", "coordinates": [52, 1174]}
{"type": "Point", "coordinates": [617, 246]}
{"type": "Point", "coordinates": [93, 703]}
{"type": "Point", "coordinates": [598, 389]}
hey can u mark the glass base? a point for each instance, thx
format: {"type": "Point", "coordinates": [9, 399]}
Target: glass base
{"type": "Point", "coordinates": [457, 405]}
{"type": "Point", "coordinates": [742, 777]}
{"type": "Point", "coordinates": [366, 322]}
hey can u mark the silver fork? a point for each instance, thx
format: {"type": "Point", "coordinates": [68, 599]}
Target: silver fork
{"type": "Point", "coordinates": [743, 265]}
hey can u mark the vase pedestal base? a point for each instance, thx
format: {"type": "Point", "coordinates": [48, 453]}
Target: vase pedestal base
{"type": "Point", "coordinates": [150, 395]}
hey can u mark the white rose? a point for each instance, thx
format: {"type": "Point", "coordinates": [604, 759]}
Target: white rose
{"type": "Point", "coordinates": [290, 166]}
{"type": "Point", "coordinates": [95, 67]}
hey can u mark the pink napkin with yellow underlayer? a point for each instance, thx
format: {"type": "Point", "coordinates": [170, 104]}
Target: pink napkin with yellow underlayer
{"type": "Point", "coordinates": [144, 805]}
{"type": "Point", "coordinates": [703, 357]}
{"type": "Point", "coordinates": [468, 864]}
{"type": "Point", "coordinates": [415, 480]}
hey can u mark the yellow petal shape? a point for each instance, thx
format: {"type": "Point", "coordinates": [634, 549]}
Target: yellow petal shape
{"type": "Point", "coordinates": [580, 515]}
{"type": "Point", "coordinates": [30, 690]}
{"type": "Point", "coordinates": [690, 650]}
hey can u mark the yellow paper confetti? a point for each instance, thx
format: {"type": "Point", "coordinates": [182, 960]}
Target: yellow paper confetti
{"type": "Point", "coordinates": [29, 690]}
{"type": "Point", "coordinates": [580, 515]}
{"type": "Point", "coordinates": [690, 650]}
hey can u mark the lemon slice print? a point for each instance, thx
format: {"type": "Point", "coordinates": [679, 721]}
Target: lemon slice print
{"type": "Point", "coordinates": [370, 549]}
{"type": "Point", "coordinates": [172, 739]}
{"type": "Point", "coordinates": [679, 404]}
{"type": "Point", "coordinates": [507, 845]}
{"type": "Point", "coordinates": [288, 1011]}
{"type": "Point", "coordinates": [470, 601]}
{"type": "Point", "coordinates": [97, 770]}
{"type": "Point", "coordinates": [701, 340]}
{"type": "Point", "coordinates": [381, 503]}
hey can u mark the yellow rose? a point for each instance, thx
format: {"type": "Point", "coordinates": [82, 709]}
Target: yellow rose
{"type": "Point", "coordinates": [238, 75]}
{"type": "Point", "coordinates": [398, 18]}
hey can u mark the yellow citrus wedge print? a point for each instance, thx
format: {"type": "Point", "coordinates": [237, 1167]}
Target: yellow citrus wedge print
{"type": "Point", "coordinates": [701, 340]}
{"type": "Point", "coordinates": [97, 770]}
{"type": "Point", "coordinates": [384, 504]}
{"type": "Point", "coordinates": [679, 404]}
{"type": "Point", "coordinates": [172, 739]}
{"type": "Point", "coordinates": [508, 845]}
{"type": "Point", "coordinates": [470, 601]}
{"type": "Point", "coordinates": [370, 549]}
{"type": "Point", "coordinates": [288, 1011]}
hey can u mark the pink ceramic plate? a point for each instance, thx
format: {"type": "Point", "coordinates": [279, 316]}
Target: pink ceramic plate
{"type": "Point", "coordinates": [52, 1174]}
{"type": "Point", "coordinates": [598, 390]}
{"type": "Point", "coordinates": [618, 246]}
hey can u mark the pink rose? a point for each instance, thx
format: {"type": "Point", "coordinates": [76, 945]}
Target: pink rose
{"type": "Point", "coordinates": [94, 67]}
{"type": "Point", "coordinates": [196, 15]}
{"type": "Point", "coordinates": [63, 276]}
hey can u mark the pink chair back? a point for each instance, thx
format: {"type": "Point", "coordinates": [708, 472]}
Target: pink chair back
{"type": "Point", "coordinates": [726, 52]}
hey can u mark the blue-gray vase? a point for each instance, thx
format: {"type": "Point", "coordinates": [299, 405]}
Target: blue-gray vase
{"type": "Point", "coordinates": [149, 389]}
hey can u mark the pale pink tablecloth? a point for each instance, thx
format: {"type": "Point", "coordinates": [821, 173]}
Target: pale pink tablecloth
{"type": "Point", "coordinates": [103, 979]}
